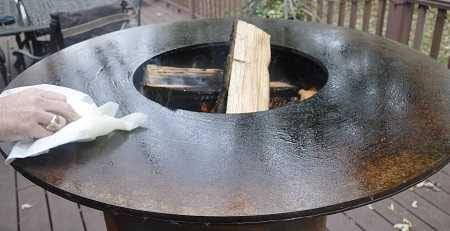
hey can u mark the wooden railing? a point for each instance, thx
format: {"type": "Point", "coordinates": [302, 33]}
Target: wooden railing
{"type": "Point", "coordinates": [420, 24]}
{"type": "Point", "coordinates": [211, 8]}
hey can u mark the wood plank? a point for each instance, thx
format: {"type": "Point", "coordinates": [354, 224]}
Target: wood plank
{"type": "Point", "coordinates": [8, 203]}
{"type": "Point", "coordinates": [420, 25]}
{"type": "Point", "coordinates": [330, 11]}
{"type": "Point", "coordinates": [397, 213]}
{"type": "Point", "coordinates": [286, 9]}
{"type": "Point", "coordinates": [381, 14]}
{"type": "Point", "coordinates": [247, 70]}
{"type": "Point", "coordinates": [366, 15]}
{"type": "Point", "coordinates": [437, 33]}
{"type": "Point", "coordinates": [399, 21]}
{"type": "Point", "coordinates": [442, 181]}
{"type": "Point", "coordinates": [309, 7]}
{"type": "Point", "coordinates": [353, 14]}
{"type": "Point", "coordinates": [369, 219]}
{"type": "Point", "coordinates": [341, 222]}
{"type": "Point", "coordinates": [425, 211]}
{"type": "Point", "coordinates": [36, 217]}
{"type": "Point", "coordinates": [192, 79]}
{"type": "Point", "coordinates": [440, 200]}
{"type": "Point", "coordinates": [193, 7]}
{"type": "Point", "coordinates": [342, 8]}
{"type": "Point", "coordinates": [319, 10]}
{"type": "Point", "coordinates": [64, 213]}
{"type": "Point", "coordinates": [157, 12]}
{"type": "Point", "coordinates": [198, 79]}
{"type": "Point", "coordinates": [93, 219]}
{"type": "Point", "coordinates": [446, 170]}
{"type": "Point", "coordinates": [210, 9]}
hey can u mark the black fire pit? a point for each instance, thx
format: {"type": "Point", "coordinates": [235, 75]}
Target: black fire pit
{"type": "Point", "coordinates": [379, 124]}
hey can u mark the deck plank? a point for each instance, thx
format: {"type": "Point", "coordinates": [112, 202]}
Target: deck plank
{"type": "Point", "coordinates": [8, 206]}
{"type": "Point", "coordinates": [398, 213]}
{"type": "Point", "coordinates": [442, 181]}
{"type": "Point", "coordinates": [93, 219]}
{"type": "Point", "coordinates": [446, 170]}
{"type": "Point", "coordinates": [439, 199]}
{"type": "Point", "coordinates": [340, 222]}
{"type": "Point", "coordinates": [369, 219]}
{"type": "Point", "coordinates": [425, 211]}
{"type": "Point", "coordinates": [35, 218]}
{"type": "Point", "coordinates": [157, 12]}
{"type": "Point", "coordinates": [65, 214]}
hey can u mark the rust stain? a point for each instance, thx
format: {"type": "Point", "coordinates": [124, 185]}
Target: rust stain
{"type": "Point", "coordinates": [240, 203]}
{"type": "Point", "coordinates": [390, 170]}
{"type": "Point", "coordinates": [55, 176]}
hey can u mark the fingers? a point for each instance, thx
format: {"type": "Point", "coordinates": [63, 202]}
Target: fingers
{"type": "Point", "coordinates": [43, 117]}
{"type": "Point", "coordinates": [46, 118]}
{"type": "Point", "coordinates": [53, 96]}
{"type": "Point", "coordinates": [38, 132]}
{"type": "Point", "coordinates": [56, 103]}
{"type": "Point", "coordinates": [60, 108]}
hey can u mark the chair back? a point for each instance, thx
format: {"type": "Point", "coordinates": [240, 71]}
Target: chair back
{"type": "Point", "coordinates": [67, 28]}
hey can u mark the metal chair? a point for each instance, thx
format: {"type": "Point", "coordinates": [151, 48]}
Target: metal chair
{"type": "Point", "coordinates": [68, 28]}
{"type": "Point", "coordinates": [3, 71]}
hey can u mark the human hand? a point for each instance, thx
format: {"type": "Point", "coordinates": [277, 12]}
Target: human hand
{"type": "Point", "coordinates": [28, 114]}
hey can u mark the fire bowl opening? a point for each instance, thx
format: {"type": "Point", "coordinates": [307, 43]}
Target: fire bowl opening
{"type": "Point", "coordinates": [294, 77]}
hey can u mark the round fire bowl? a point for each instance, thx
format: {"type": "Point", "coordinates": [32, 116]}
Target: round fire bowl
{"type": "Point", "coordinates": [380, 124]}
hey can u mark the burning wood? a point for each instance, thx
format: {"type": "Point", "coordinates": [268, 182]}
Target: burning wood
{"type": "Point", "coordinates": [244, 82]}
{"type": "Point", "coordinates": [186, 79]}
{"type": "Point", "coordinates": [305, 94]}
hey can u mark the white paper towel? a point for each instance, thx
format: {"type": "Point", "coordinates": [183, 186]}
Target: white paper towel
{"type": "Point", "coordinates": [94, 121]}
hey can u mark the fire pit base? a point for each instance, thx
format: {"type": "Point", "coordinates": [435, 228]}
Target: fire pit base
{"type": "Point", "coordinates": [119, 222]}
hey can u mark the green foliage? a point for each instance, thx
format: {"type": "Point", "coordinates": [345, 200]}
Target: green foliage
{"type": "Point", "coordinates": [270, 9]}
{"type": "Point", "coordinates": [275, 9]}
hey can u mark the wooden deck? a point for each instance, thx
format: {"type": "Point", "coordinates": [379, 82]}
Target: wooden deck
{"type": "Point", "coordinates": [26, 207]}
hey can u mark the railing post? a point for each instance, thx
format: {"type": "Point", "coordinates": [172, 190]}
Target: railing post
{"type": "Point", "coordinates": [192, 6]}
{"type": "Point", "coordinates": [330, 11]}
{"type": "Point", "coordinates": [286, 9]}
{"type": "Point", "coordinates": [319, 10]}
{"type": "Point", "coordinates": [341, 18]}
{"type": "Point", "coordinates": [448, 64]}
{"type": "Point", "coordinates": [366, 15]}
{"type": "Point", "coordinates": [380, 17]}
{"type": "Point", "coordinates": [353, 14]}
{"type": "Point", "coordinates": [437, 33]}
{"type": "Point", "coordinates": [308, 5]}
{"type": "Point", "coordinates": [420, 25]}
{"type": "Point", "coordinates": [399, 20]}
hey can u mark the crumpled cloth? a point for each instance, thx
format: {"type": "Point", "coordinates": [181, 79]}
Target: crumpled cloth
{"type": "Point", "coordinates": [94, 121]}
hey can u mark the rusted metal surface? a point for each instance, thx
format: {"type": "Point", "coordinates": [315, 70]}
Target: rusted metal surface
{"type": "Point", "coordinates": [376, 128]}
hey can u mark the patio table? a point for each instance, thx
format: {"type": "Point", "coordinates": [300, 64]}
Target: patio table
{"type": "Point", "coordinates": [379, 125]}
{"type": "Point", "coordinates": [35, 15]}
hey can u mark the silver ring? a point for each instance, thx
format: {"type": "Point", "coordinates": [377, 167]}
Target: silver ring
{"type": "Point", "coordinates": [56, 123]}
